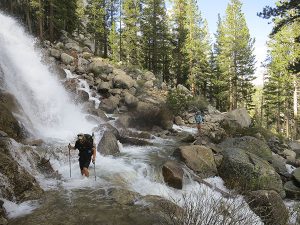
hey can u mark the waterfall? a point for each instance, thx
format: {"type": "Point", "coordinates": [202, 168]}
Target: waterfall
{"type": "Point", "coordinates": [45, 102]}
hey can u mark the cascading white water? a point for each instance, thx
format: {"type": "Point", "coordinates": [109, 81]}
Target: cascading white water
{"type": "Point", "coordinates": [43, 99]}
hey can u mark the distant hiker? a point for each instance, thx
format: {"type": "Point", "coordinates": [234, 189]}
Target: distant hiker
{"type": "Point", "coordinates": [199, 118]}
{"type": "Point", "coordinates": [87, 152]}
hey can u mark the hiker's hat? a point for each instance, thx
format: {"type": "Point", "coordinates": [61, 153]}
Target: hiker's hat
{"type": "Point", "coordinates": [80, 136]}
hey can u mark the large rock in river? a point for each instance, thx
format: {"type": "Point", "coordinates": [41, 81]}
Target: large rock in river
{"type": "Point", "coordinates": [247, 172]}
{"type": "Point", "coordinates": [173, 174]}
{"type": "Point", "coordinates": [249, 144]}
{"type": "Point", "coordinates": [8, 123]}
{"type": "Point", "coordinates": [198, 158]}
{"type": "Point", "coordinates": [108, 144]}
{"type": "Point", "coordinates": [19, 184]}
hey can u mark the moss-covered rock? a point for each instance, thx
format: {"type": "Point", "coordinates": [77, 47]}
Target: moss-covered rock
{"type": "Point", "coordinates": [249, 144]}
{"type": "Point", "coordinates": [292, 190]}
{"type": "Point", "coordinates": [269, 206]}
{"type": "Point", "coordinates": [247, 172]}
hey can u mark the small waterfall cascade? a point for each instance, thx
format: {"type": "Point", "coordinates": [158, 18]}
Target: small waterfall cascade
{"type": "Point", "coordinates": [45, 102]}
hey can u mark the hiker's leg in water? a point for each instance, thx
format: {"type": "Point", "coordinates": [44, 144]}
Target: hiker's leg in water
{"type": "Point", "coordinates": [199, 127]}
{"type": "Point", "coordinates": [85, 172]}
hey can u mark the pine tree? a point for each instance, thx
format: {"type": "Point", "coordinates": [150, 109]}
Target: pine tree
{"type": "Point", "coordinates": [180, 61]}
{"type": "Point", "coordinates": [114, 43]}
{"type": "Point", "coordinates": [154, 35]}
{"type": "Point", "coordinates": [131, 34]}
{"type": "Point", "coordinates": [95, 12]}
{"type": "Point", "coordinates": [235, 56]}
{"type": "Point", "coordinates": [281, 84]}
{"type": "Point", "coordinates": [197, 49]}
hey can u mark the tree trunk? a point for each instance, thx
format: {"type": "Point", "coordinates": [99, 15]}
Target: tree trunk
{"type": "Point", "coordinates": [120, 44]}
{"type": "Point", "coordinates": [28, 19]}
{"type": "Point", "coordinates": [295, 107]}
{"type": "Point", "coordinates": [51, 20]}
{"type": "Point", "coordinates": [40, 20]}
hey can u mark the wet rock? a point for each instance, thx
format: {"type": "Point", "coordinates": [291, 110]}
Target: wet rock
{"type": "Point", "coordinates": [124, 120]}
{"type": "Point", "coordinates": [292, 190]}
{"type": "Point", "coordinates": [269, 206]}
{"type": "Point", "coordinates": [245, 171]}
{"type": "Point", "coordinates": [122, 196]}
{"type": "Point", "coordinates": [134, 141]}
{"type": "Point", "coordinates": [108, 144]}
{"type": "Point", "coordinates": [250, 144]}
{"type": "Point", "coordinates": [36, 142]}
{"type": "Point", "coordinates": [178, 121]}
{"type": "Point", "coordinates": [46, 168]}
{"type": "Point", "coordinates": [104, 87]}
{"type": "Point", "coordinates": [108, 105]}
{"type": "Point", "coordinates": [9, 124]}
{"type": "Point", "coordinates": [147, 115]}
{"type": "Point", "coordinates": [296, 176]}
{"type": "Point", "coordinates": [186, 137]}
{"type": "Point", "coordinates": [99, 113]}
{"type": "Point", "coordinates": [66, 59]}
{"type": "Point", "coordinates": [82, 96]}
{"type": "Point", "coordinates": [130, 133]}
{"type": "Point", "coordinates": [3, 218]}
{"type": "Point", "coordinates": [173, 174]}
{"type": "Point", "coordinates": [198, 158]}
{"type": "Point", "coordinates": [71, 85]}
{"type": "Point", "coordinates": [21, 185]}
{"type": "Point", "coordinates": [3, 134]}
{"type": "Point", "coordinates": [112, 129]}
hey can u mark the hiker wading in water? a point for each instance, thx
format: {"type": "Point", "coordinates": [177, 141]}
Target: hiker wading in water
{"type": "Point", "coordinates": [87, 152]}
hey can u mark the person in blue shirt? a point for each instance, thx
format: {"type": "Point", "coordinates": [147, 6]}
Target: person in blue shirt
{"type": "Point", "coordinates": [199, 118]}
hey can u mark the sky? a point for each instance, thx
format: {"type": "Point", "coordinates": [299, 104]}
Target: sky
{"type": "Point", "coordinates": [258, 27]}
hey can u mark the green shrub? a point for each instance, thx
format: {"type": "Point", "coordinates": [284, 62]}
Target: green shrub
{"type": "Point", "coordinates": [198, 103]}
{"type": "Point", "coordinates": [178, 101]}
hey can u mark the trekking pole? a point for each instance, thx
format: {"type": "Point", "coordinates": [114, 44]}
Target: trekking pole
{"type": "Point", "coordinates": [95, 170]}
{"type": "Point", "coordinates": [70, 159]}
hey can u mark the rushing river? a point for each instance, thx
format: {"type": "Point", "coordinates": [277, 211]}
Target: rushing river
{"type": "Point", "coordinates": [51, 114]}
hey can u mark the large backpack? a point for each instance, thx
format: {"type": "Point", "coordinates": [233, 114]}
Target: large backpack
{"type": "Point", "coordinates": [89, 141]}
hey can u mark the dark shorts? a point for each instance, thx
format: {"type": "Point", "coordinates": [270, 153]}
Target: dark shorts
{"type": "Point", "coordinates": [84, 160]}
